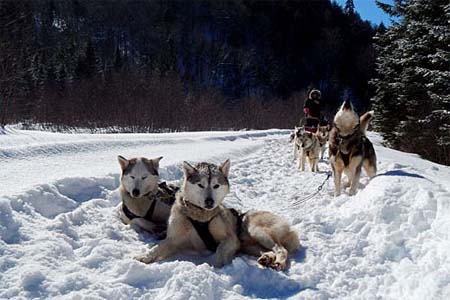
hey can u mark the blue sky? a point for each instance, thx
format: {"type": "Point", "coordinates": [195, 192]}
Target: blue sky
{"type": "Point", "coordinates": [368, 10]}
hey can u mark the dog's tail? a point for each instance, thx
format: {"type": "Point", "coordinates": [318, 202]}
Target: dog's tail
{"type": "Point", "coordinates": [365, 120]}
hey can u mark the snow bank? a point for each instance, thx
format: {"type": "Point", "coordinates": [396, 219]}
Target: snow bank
{"type": "Point", "coordinates": [60, 236]}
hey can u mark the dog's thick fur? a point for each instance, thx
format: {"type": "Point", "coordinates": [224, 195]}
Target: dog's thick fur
{"type": "Point", "coordinates": [350, 149]}
{"type": "Point", "coordinates": [138, 189]}
{"type": "Point", "coordinates": [306, 146]}
{"type": "Point", "coordinates": [200, 199]}
{"type": "Point", "coordinates": [269, 237]}
{"type": "Point", "coordinates": [258, 233]}
{"type": "Point", "coordinates": [323, 133]}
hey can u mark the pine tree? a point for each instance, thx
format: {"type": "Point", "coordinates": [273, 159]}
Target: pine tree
{"type": "Point", "coordinates": [349, 7]}
{"type": "Point", "coordinates": [413, 81]}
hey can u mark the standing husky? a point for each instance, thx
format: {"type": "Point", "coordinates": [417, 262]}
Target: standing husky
{"type": "Point", "coordinates": [198, 221]}
{"type": "Point", "coordinates": [144, 202]}
{"type": "Point", "coordinates": [322, 134]}
{"type": "Point", "coordinates": [350, 149]}
{"type": "Point", "coordinates": [306, 145]}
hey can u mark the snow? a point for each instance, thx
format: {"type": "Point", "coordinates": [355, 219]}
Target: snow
{"type": "Point", "coordinates": [60, 237]}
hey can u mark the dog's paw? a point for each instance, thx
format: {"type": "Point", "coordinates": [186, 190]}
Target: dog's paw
{"type": "Point", "coordinates": [278, 265]}
{"type": "Point", "coordinates": [146, 259]}
{"type": "Point", "coordinates": [266, 259]}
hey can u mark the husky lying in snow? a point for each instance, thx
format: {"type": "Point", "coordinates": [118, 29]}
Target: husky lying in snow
{"type": "Point", "coordinates": [350, 149]}
{"type": "Point", "coordinates": [199, 222]}
{"type": "Point", "coordinates": [306, 146]}
{"type": "Point", "coordinates": [144, 202]}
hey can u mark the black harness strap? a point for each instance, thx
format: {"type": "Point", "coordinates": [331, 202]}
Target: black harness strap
{"type": "Point", "coordinates": [148, 215]}
{"type": "Point", "coordinates": [128, 213]}
{"type": "Point", "coordinates": [240, 217]}
{"type": "Point", "coordinates": [202, 229]}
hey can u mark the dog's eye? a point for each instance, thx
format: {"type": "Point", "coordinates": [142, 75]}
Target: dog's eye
{"type": "Point", "coordinates": [216, 186]}
{"type": "Point", "coordinates": [201, 186]}
{"type": "Point", "coordinates": [132, 177]}
{"type": "Point", "coordinates": [144, 177]}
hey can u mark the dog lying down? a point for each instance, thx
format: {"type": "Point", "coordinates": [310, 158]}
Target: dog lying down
{"type": "Point", "coordinates": [198, 222]}
{"type": "Point", "coordinates": [145, 202]}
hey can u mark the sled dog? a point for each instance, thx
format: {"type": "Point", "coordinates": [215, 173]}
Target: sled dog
{"type": "Point", "coordinates": [350, 149]}
{"type": "Point", "coordinates": [144, 202]}
{"type": "Point", "coordinates": [198, 221]}
{"type": "Point", "coordinates": [306, 146]}
{"type": "Point", "coordinates": [322, 134]}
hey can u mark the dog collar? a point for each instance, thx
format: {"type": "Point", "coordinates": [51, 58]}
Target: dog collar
{"type": "Point", "coordinates": [198, 213]}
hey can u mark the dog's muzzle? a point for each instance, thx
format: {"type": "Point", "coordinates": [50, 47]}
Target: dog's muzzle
{"type": "Point", "coordinates": [209, 203]}
{"type": "Point", "coordinates": [135, 192]}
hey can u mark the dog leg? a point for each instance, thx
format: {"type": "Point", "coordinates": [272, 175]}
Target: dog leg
{"type": "Point", "coordinates": [291, 242]}
{"type": "Point", "coordinates": [280, 262]}
{"type": "Point", "coordinates": [337, 175]}
{"type": "Point", "coordinates": [226, 251]}
{"type": "Point", "coordinates": [295, 151]}
{"type": "Point", "coordinates": [370, 169]}
{"type": "Point", "coordinates": [267, 259]}
{"type": "Point", "coordinates": [355, 180]}
{"type": "Point", "coordinates": [316, 164]}
{"type": "Point", "coordinates": [302, 161]}
{"type": "Point", "coordinates": [165, 249]}
{"type": "Point", "coordinates": [276, 258]}
{"type": "Point", "coordinates": [156, 229]}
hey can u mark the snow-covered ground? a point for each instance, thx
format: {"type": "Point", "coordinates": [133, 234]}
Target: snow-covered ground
{"type": "Point", "coordinates": [60, 237]}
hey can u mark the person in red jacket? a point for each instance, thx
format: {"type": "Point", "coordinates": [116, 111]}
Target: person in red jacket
{"type": "Point", "coordinates": [312, 110]}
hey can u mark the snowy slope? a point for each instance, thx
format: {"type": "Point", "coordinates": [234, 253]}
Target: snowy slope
{"type": "Point", "coordinates": [60, 237]}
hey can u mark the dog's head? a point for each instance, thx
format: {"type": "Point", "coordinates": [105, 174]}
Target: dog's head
{"type": "Point", "coordinates": [298, 131]}
{"type": "Point", "coordinates": [346, 120]}
{"type": "Point", "coordinates": [139, 175]}
{"type": "Point", "coordinates": [307, 139]}
{"type": "Point", "coordinates": [323, 132]}
{"type": "Point", "coordinates": [206, 185]}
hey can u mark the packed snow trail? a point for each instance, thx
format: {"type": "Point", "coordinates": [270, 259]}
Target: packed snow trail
{"type": "Point", "coordinates": [62, 239]}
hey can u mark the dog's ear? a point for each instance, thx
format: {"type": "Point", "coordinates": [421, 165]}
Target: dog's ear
{"type": "Point", "coordinates": [348, 105]}
{"type": "Point", "coordinates": [225, 167]}
{"type": "Point", "coordinates": [124, 163]}
{"type": "Point", "coordinates": [155, 162]}
{"type": "Point", "coordinates": [188, 169]}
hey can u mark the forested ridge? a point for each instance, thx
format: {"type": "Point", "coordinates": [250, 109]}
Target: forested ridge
{"type": "Point", "coordinates": [179, 65]}
{"type": "Point", "coordinates": [153, 65]}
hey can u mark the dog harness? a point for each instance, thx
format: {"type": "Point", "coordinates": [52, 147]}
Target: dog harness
{"type": "Point", "coordinates": [203, 232]}
{"type": "Point", "coordinates": [148, 215]}
{"type": "Point", "coordinates": [165, 194]}
{"type": "Point", "coordinates": [202, 227]}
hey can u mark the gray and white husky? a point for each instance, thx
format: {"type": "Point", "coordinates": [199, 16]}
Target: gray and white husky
{"type": "Point", "coordinates": [350, 149]}
{"type": "Point", "coordinates": [199, 222]}
{"type": "Point", "coordinates": [323, 133]}
{"type": "Point", "coordinates": [144, 203]}
{"type": "Point", "coordinates": [306, 146]}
